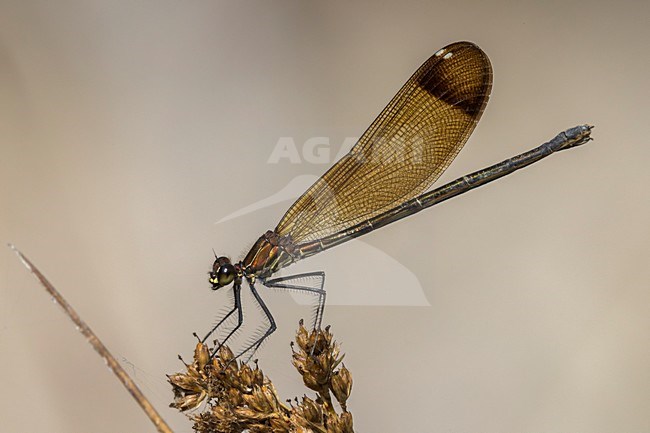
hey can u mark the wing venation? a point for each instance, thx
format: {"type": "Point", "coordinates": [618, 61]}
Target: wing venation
{"type": "Point", "coordinates": [405, 149]}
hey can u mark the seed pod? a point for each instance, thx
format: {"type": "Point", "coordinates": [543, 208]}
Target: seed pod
{"type": "Point", "coordinates": [341, 385]}
{"type": "Point", "coordinates": [201, 355]}
{"type": "Point", "coordinates": [346, 420]}
{"type": "Point", "coordinates": [312, 411]}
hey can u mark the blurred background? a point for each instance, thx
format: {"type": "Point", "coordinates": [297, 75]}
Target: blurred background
{"type": "Point", "coordinates": [128, 129]}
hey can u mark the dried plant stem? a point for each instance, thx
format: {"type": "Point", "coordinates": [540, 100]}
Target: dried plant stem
{"type": "Point", "coordinates": [99, 347]}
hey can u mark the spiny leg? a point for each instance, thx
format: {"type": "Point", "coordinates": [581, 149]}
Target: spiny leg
{"type": "Point", "coordinates": [289, 283]}
{"type": "Point", "coordinates": [270, 330]}
{"type": "Point", "coordinates": [234, 308]}
{"type": "Point", "coordinates": [297, 283]}
{"type": "Point", "coordinates": [240, 318]}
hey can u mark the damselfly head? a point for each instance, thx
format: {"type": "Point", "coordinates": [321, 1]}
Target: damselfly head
{"type": "Point", "coordinates": [223, 273]}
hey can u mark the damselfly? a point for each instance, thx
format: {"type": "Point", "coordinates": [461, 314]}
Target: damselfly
{"type": "Point", "coordinates": [381, 180]}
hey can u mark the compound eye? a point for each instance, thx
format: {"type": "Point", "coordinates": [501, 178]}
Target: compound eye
{"type": "Point", "coordinates": [225, 274]}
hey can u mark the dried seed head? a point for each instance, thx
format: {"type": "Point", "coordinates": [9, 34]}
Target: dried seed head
{"type": "Point", "coordinates": [188, 401]}
{"type": "Point", "coordinates": [246, 376]}
{"type": "Point", "coordinates": [226, 355]}
{"type": "Point", "coordinates": [317, 358]}
{"type": "Point", "coordinates": [259, 428]}
{"type": "Point", "coordinates": [341, 385]}
{"type": "Point", "coordinates": [310, 380]}
{"type": "Point", "coordinates": [279, 425]}
{"type": "Point", "coordinates": [271, 396]}
{"type": "Point", "coordinates": [234, 397]}
{"type": "Point", "coordinates": [221, 413]}
{"type": "Point", "coordinates": [201, 355]}
{"type": "Point", "coordinates": [218, 419]}
{"type": "Point", "coordinates": [346, 420]}
{"type": "Point", "coordinates": [301, 429]}
{"type": "Point", "coordinates": [185, 382]}
{"type": "Point", "coordinates": [257, 401]}
{"type": "Point", "coordinates": [340, 423]}
{"type": "Point", "coordinates": [302, 337]}
{"type": "Point", "coordinates": [190, 389]}
{"type": "Point", "coordinates": [258, 376]}
{"type": "Point", "coordinates": [240, 398]}
{"type": "Point", "coordinates": [246, 414]}
{"type": "Point", "coordinates": [312, 411]}
{"type": "Point", "coordinates": [334, 425]}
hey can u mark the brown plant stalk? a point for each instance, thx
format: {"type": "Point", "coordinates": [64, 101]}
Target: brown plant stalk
{"type": "Point", "coordinates": [99, 347]}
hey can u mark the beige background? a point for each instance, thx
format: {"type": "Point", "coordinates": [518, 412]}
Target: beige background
{"type": "Point", "coordinates": [129, 128]}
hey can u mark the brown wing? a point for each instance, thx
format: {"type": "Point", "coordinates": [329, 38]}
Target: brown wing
{"type": "Point", "coordinates": [404, 151]}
